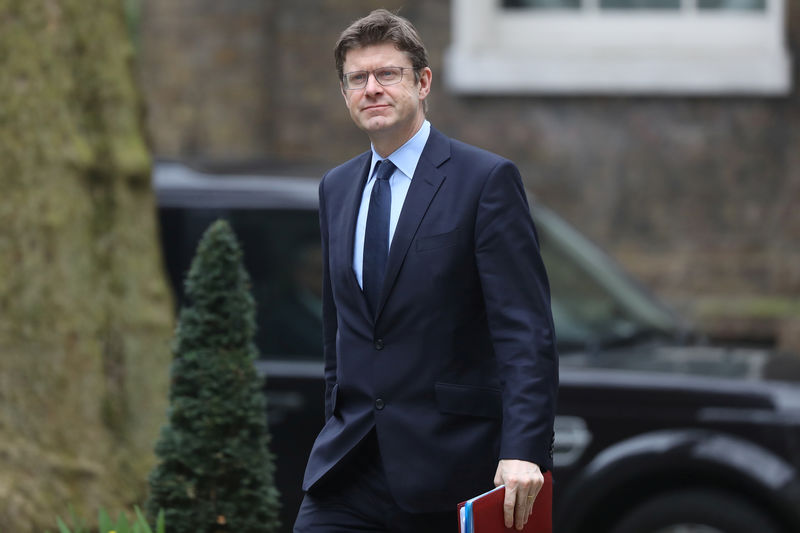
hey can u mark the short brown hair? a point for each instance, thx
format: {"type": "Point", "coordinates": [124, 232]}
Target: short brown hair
{"type": "Point", "coordinates": [382, 26]}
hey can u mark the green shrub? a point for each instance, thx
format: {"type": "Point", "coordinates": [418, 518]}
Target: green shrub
{"type": "Point", "coordinates": [122, 525]}
{"type": "Point", "coordinates": [215, 473]}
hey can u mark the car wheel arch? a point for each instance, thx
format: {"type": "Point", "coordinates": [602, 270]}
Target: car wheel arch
{"type": "Point", "coordinates": [629, 472]}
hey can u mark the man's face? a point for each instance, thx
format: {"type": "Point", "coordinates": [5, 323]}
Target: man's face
{"type": "Point", "coordinates": [393, 110]}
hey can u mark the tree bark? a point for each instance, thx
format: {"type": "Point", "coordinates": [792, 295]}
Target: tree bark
{"type": "Point", "coordinates": [85, 314]}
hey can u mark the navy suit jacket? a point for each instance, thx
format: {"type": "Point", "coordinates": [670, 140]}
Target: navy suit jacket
{"type": "Point", "coordinates": [458, 368]}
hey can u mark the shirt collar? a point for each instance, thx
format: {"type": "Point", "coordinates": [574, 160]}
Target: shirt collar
{"type": "Point", "coordinates": [407, 156]}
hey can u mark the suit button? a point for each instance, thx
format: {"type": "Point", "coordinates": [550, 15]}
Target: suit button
{"type": "Point", "coordinates": [379, 344]}
{"type": "Point", "coordinates": [379, 404]}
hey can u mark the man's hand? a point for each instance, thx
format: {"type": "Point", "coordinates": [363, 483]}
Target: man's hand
{"type": "Point", "coordinates": [523, 480]}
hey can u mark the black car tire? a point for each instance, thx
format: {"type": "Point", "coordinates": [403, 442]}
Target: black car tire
{"type": "Point", "coordinates": [699, 510]}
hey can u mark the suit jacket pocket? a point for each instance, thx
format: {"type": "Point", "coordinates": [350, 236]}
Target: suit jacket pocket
{"type": "Point", "coordinates": [442, 240]}
{"type": "Point", "coordinates": [469, 400]}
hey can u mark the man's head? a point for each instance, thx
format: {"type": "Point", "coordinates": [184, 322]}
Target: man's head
{"type": "Point", "coordinates": [384, 77]}
{"type": "Point", "coordinates": [382, 26]}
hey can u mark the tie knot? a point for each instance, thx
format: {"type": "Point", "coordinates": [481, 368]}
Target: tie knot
{"type": "Point", "coordinates": [384, 169]}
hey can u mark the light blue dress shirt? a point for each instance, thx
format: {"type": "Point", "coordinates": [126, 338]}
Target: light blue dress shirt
{"type": "Point", "coordinates": [405, 159]}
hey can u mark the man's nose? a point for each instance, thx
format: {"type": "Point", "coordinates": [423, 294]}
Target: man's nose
{"type": "Point", "coordinates": [372, 87]}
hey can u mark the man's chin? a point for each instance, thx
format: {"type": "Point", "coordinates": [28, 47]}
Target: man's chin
{"type": "Point", "coordinates": [376, 124]}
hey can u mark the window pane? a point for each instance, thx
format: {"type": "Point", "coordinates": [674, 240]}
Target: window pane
{"type": "Point", "coordinates": [543, 4]}
{"type": "Point", "coordinates": [282, 253]}
{"type": "Point", "coordinates": [640, 4]}
{"type": "Point", "coordinates": [283, 257]}
{"type": "Point", "coordinates": [741, 5]}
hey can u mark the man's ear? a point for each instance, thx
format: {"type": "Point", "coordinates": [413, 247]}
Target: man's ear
{"type": "Point", "coordinates": [344, 94]}
{"type": "Point", "coordinates": [425, 78]}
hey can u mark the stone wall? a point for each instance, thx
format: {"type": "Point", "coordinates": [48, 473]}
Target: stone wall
{"type": "Point", "coordinates": [695, 196]}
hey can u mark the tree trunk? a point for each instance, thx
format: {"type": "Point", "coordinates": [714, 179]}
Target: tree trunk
{"type": "Point", "coordinates": [85, 315]}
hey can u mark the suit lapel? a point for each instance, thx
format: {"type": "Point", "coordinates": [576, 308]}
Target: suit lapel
{"type": "Point", "coordinates": [424, 185]}
{"type": "Point", "coordinates": [352, 204]}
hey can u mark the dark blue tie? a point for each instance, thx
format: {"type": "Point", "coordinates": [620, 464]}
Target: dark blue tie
{"type": "Point", "coordinates": [376, 236]}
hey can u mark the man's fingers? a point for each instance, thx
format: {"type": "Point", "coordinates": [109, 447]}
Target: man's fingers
{"type": "Point", "coordinates": [521, 511]}
{"type": "Point", "coordinates": [509, 504]}
{"type": "Point", "coordinates": [529, 500]}
{"type": "Point", "coordinates": [498, 476]}
{"type": "Point", "coordinates": [523, 498]}
{"type": "Point", "coordinates": [528, 507]}
{"type": "Point", "coordinates": [523, 480]}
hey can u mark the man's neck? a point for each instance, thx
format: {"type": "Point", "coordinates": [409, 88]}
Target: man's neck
{"type": "Point", "coordinates": [386, 142]}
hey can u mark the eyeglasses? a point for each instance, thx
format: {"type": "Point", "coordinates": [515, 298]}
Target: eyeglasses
{"type": "Point", "coordinates": [384, 75]}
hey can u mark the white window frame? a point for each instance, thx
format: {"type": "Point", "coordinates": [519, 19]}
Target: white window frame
{"type": "Point", "coordinates": [601, 51]}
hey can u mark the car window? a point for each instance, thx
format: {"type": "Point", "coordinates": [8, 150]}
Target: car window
{"type": "Point", "coordinates": [282, 254]}
{"type": "Point", "coordinates": [584, 312]}
{"type": "Point", "coordinates": [593, 302]}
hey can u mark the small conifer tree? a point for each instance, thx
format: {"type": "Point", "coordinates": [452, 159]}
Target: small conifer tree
{"type": "Point", "coordinates": [215, 472]}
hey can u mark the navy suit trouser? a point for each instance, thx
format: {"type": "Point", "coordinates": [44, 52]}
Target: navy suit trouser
{"type": "Point", "coordinates": [356, 498]}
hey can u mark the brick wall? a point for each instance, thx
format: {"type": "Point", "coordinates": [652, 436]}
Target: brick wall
{"type": "Point", "coordinates": [696, 196]}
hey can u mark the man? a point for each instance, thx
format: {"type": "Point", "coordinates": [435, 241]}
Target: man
{"type": "Point", "coordinates": [440, 362]}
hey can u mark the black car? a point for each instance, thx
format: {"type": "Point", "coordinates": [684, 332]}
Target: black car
{"type": "Point", "coordinates": [655, 432]}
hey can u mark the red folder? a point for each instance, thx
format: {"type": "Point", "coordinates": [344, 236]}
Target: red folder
{"type": "Point", "coordinates": [487, 511]}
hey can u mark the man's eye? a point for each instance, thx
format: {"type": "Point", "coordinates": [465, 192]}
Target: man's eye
{"type": "Point", "coordinates": [386, 74]}
{"type": "Point", "coordinates": [357, 77]}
